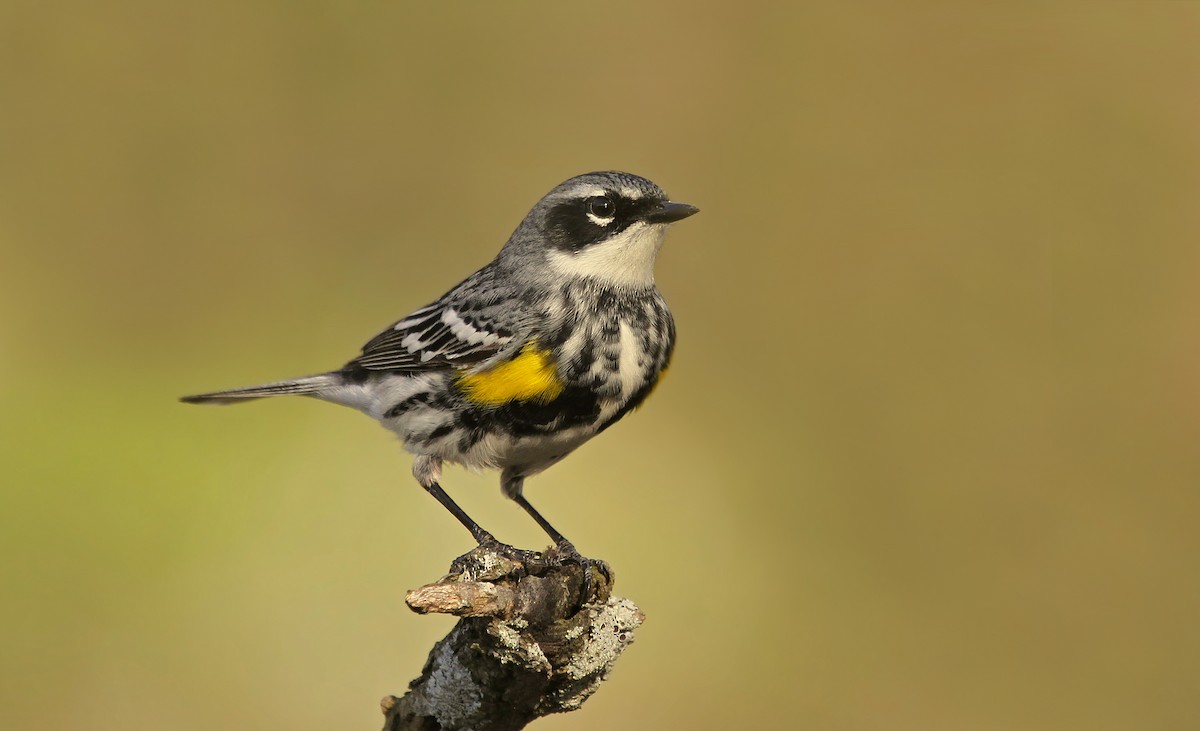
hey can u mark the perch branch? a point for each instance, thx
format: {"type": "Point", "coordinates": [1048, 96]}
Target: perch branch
{"type": "Point", "coordinates": [523, 648]}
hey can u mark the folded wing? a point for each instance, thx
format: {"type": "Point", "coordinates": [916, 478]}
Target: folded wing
{"type": "Point", "coordinates": [472, 323]}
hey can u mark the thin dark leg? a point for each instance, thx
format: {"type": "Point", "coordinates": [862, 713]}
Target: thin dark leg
{"type": "Point", "coordinates": [568, 552]}
{"type": "Point", "coordinates": [533, 513]}
{"type": "Point", "coordinates": [478, 533]}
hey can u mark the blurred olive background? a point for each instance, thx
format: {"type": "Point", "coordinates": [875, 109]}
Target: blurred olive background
{"type": "Point", "coordinates": [926, 458]}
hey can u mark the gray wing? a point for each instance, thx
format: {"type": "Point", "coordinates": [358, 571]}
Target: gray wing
{"type": "Point", "coordinates": [472, 323]}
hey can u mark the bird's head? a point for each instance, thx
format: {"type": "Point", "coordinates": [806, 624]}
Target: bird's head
{"type": "Point", "coordinates": [605, 226]}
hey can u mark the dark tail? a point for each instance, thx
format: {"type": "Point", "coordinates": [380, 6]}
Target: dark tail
{"type": "Point", "coordinates": [306, 385]}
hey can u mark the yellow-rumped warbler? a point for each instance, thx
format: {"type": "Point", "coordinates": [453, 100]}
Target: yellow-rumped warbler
{"type": "Point", "coordinates": [561, 335]}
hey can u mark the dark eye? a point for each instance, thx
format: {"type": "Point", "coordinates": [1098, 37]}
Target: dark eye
{"type": "Point", "coordinates": [601, 207]}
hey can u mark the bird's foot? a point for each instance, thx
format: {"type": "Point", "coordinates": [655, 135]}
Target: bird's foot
{"type": "Point", "coordinates": [596, 575]}
{"type": "Point", "coordinates": [491, 560]}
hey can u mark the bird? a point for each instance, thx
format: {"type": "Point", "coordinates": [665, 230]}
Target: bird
{"type": "Point", "coordinates": [557, 338]}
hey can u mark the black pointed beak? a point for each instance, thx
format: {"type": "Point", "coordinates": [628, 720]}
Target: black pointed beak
{"type": "Point", "coordinates": [668, 212]}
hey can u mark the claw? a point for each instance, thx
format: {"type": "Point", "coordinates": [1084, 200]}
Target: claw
{"type": "Point", "coordinates": [482, 564]}
{"type": "Point", "coordinates": [565, 552]}
{"type": "Point", "coordinates": [492, 560]}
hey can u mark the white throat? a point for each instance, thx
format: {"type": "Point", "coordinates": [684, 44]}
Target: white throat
{"type": "Point", "coordinates": [625, 260]}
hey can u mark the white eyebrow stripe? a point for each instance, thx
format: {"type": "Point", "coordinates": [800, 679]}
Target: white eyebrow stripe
{"type": "Point", "coordinates": [632, 194]}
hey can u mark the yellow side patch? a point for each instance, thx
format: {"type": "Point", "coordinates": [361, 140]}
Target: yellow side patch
{"type": "Point", "coordinates": [531, 376]}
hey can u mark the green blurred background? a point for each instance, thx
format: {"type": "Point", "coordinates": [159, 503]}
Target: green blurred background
{"type": "Point", "coordinates": [926, 458]}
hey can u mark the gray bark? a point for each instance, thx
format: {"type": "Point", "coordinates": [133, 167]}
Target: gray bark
{"type": "Point", "coordinates": [523, 648]}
